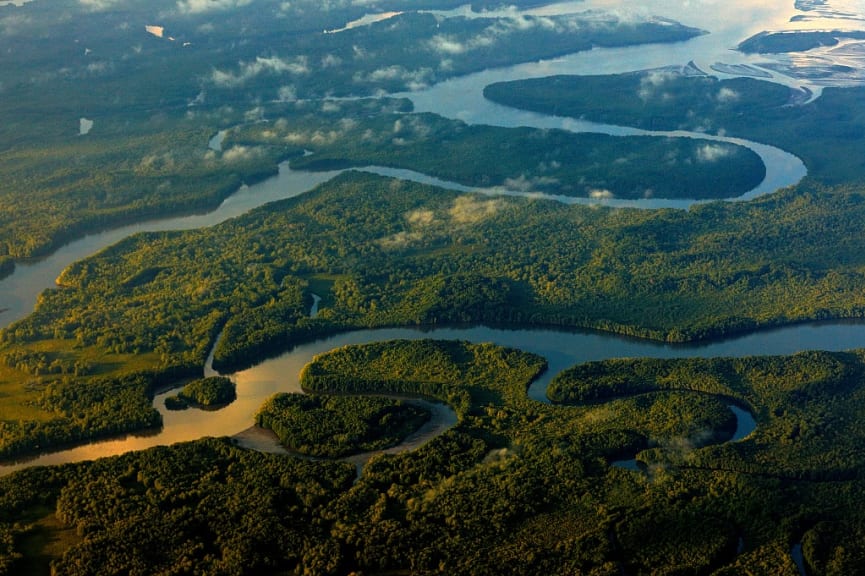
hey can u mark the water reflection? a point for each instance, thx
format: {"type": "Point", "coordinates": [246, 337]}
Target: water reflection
{"type": "Point", "coordinates": [562, 349]}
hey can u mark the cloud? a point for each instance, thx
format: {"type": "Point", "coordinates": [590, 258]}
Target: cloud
{"type": "Point", "coordinates": [446, 45]}
{"type": "Point", "coordinates": [15, 24]}
{"type": "Point", "coordinates": [198, 6]}
{"type": "Point", "coordinates": [600, 194]}
{"type": "Point", "coordinates": [420, 217]}
{"type": "Point", "coordinates": [449, 45]}
{"type": "Point", "coordinates": [470, 210]}
{"type": "Point", "coordinates": [652, 81]}
{"type": "Point", "coordinates": [726, 95]}
{"type": "Point", "coordinates": [523, 184]}
{"type": "Point", "coordinates": [241, 154]}
{"type": "Point", "coordinates": [330, 61]}
{"type": "Point", "coordinates": [261, 65]}
{"type": "Point", "coordinates": [286, 94]}
{"type": "Point", "coordinates": [713, 153]}
{"type": "Point", "coordinates": [99, 5]}
{"type": "Point", "coordinates": [411, 79]}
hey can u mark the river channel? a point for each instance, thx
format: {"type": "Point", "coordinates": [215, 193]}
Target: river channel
{"type": "Point", "coordinates": [460, 98]}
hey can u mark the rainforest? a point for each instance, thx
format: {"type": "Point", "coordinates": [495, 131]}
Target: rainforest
{"type": "Point", "coordinates": [426, 287]}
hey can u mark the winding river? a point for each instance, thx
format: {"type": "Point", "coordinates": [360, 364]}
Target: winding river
{"type": "Point", "coordinates": [460, 98]}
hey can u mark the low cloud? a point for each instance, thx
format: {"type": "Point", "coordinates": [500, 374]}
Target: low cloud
{"type": "Point", "coordinates": [99, 5]}
{"type": "Point", "coordinates": [713, 153]}
{"type": "Point", "coordinates": [241, 154]}
{"type": "Point", "coordinates": [524, 184]}
{"type": "Point", "coordinates": [411, 79]}
{"type": "Point", "coordinates": [421, 217]}
{"type": "Point", "coordinates": [600, 194]}
{"type": "Point", "coordinates": [198, 6]}
{"type": "Point", "coordinates": [470, 210]}
{"type": "Point", "coordinates": [727, 95]}
{"type": "Point", "coordinates": [652, 82]}
{"type": "Point", "coordinates": [286, 93]}
{"type": "Point", "coordinates": [261, 65]}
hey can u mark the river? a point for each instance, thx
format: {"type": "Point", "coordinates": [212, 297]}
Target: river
{"type": "Point", "coordinates": [562, 349]}
{"type": "Point", "coordinates": [459, 98]}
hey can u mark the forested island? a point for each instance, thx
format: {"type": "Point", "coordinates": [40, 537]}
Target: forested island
{"type": "Point", "coordinates": [212, 392]}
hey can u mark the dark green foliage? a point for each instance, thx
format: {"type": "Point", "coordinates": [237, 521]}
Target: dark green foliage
{"type": "Point", "coordinates": [212, 392]}
{"type": "Point", "coordinates": [156, 101]}
{"type": "Point", "coordinates": [835, 548]}
{"type": "Point", "coordinates": [717, 269]}
{"type": "Point", "coordinates": [335, 426]}
{"type": "Point", "coordinates": [454, 372]}
{"type": "Point", "coordinates": [833, 152]}
{"type": "Point", "coordinates": [84, 410]}
{"type": "Point", "coordinates": [797, 41]}
{"type": "Point", "coordinates": [552, 161]}
{"type": "Point", "coordinates": [515, 483]}
{"type": "Point", "coordinates": [204, 507]}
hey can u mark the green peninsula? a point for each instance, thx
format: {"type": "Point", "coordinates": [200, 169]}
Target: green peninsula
{"type": "Point", "coordinates": [670, 99]}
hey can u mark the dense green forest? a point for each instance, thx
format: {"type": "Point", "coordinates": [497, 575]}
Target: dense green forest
{"type": "Point", "coordinates": [798, 41]}
{"type": "Point", "coordinates": [382, 252]}
{"type": "Point", "coordinates": [334, 426]}
{"type": "Point", "coordinates": [165, 167]}
{"type": "Point", "coordinates": [210, 392]}
{"type": "Point", "coordinates": [667, 99]}
{"type": "Point", "coordinates": [515, 483]}
{"type": "Point", "coordinates": [154, 96]}
{"type": "Point", "coordinates": [523, 159]}
{"type": "Point", "coordinates": [108, 111]}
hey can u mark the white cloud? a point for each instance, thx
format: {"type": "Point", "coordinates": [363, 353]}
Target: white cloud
{"type": "Point", "coordinates": [330, 60]}
{"type": "Point", "coordinates": [601, 194]}
{"type": "Point", "coordinates": [411, 79]}
{"type": "Point", "coordinates": [523, 184]}
{"type": "Point", "coordinates": [470, 210]}
{"type": "Point", "coordinates": [198, 6]}
{"type": "Point", "coordinates": [85, 125]}
{"type": "Point", "coordinates": [261, 65]}
{"type": "Point", "coordinates": [99, 5]}
{"type": "Point", "coordinates": [420, 217]}
{"type": "Point", "coordinates": [15, 24]}
{"type": "Point", "coordinates": [286, 94]}
{"type": "Point", "coordinates": [240, 154]}
{"type": "Point", "coordinates": [712, 153]}
{"type": "Point", "coordinates": [726, 95]}
{"type": "Point", "coordinates": [652, 81]}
